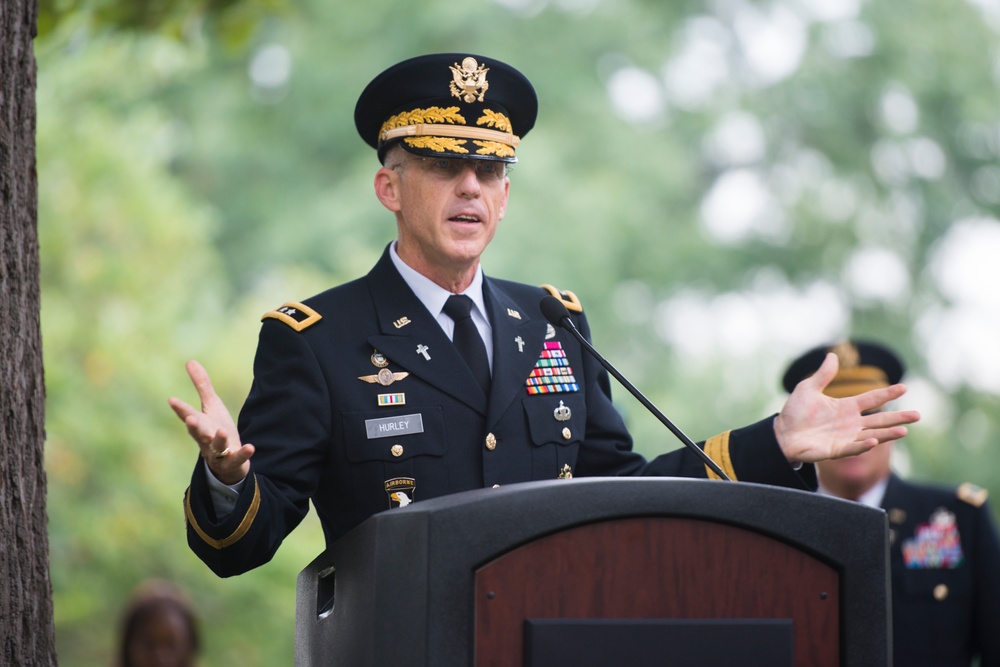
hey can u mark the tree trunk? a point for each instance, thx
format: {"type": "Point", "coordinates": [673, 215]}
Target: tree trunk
{"type": "Point", "coordinates": [27, 634]}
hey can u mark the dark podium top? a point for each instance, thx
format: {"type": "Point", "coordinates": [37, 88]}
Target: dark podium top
{"type": "Point", "coordinates": [604, 571]}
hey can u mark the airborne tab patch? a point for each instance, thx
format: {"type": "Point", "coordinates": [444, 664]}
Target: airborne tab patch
{"type": "Point", "coordinates": [296, 315]}
{"type": "Point", "coordinates": [569, 299]}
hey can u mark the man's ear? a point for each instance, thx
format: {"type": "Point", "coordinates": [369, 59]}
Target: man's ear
{"type": "Point", "coordinates": [387, 188]}
{"type": "Point", "coordinates": [506, 193]}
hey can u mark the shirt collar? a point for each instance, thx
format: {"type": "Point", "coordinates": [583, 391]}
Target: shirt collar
{"type": "Point", "coordinates": [432, 295]}
{"type": "Point", "coordinates": [872, 497]}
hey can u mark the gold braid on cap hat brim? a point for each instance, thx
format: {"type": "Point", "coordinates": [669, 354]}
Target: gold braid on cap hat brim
{"type": "Point", "coordinates": [856, 380]}
{"type": "Point", "coordinates": [448, 125]}
{"type": "Point", "coordinates": [455, 131]}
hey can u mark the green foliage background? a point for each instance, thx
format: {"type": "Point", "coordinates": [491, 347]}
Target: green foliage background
{"type": "Point", "coordinates": [179, 200]}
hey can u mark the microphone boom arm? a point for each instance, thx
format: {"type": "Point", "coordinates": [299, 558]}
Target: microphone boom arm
{"type": "Point", "coordinates": [565, 322]}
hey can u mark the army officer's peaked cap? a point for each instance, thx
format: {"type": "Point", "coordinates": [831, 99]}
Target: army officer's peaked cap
{"type": "Point", "coordinates": [455, 105]}
{"type": "Point", "coordinates": [864, 365]}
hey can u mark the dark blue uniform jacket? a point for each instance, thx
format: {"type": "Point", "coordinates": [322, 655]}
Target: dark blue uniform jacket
{"type": "Point", "coordinates": [357, 446]}
{"type": "Point", "coordinates": [945, 561]}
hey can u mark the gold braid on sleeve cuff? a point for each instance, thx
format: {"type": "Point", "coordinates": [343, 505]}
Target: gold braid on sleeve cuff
{"type": "Point", "coordinates": [237, 534]}
{"type": "Point", "coordinates": [717, 448]}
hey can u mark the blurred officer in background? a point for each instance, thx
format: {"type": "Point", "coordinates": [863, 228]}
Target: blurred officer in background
{"type": "Point", "coordinates": [944, 552]}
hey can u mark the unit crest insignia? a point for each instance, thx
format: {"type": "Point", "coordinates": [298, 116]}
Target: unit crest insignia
{"type": "Point", "coordinates": [379, 360]}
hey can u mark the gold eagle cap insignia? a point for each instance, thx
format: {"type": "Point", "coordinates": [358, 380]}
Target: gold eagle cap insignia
{"type": "Point", "coordinates": [847, 354]}
{"type": "Point", "coordinates": [468, 81]}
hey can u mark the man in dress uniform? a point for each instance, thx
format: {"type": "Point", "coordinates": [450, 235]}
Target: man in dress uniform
{"type": "Point", "coordinates": [426, 376]}
{"type": "Point", "coordinates": [944, 552]}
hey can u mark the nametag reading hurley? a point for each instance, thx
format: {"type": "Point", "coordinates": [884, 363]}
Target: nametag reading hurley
{"type": "Point", "coordinates": [388, 427]}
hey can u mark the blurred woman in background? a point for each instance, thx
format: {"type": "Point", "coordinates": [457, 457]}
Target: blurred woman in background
{"type": "Point", "coordinates": [158, 628]}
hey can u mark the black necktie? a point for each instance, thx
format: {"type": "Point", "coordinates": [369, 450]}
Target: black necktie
{"type": "Point", "coordinates": [467, 339]}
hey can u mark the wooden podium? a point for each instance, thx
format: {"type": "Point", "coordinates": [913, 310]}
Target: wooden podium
{"type": "Point", "coordinates": [604, 572]}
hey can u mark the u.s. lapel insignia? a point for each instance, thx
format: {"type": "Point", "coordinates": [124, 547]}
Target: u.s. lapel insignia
{"type": "Point", "coordinates": [401, 322]}
{"type": "Point", "coordinates": [513, 313]}
{"type": "Point", "coordinates": [401, 491]}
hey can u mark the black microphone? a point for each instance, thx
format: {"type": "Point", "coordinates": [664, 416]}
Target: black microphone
{"type": "Point", "coordinates": [555, 312]}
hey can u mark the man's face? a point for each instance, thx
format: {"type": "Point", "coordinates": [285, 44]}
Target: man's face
{"type": "Point", "coordinates": [851, 476]}
{"type": "Point", "coordinates": [447, 209]}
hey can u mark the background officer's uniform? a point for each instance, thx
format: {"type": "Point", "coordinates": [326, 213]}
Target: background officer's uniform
{"type": "Point", "coordinates": [945, 559]}
{"type": "Point", "coordinates": [944, 552]}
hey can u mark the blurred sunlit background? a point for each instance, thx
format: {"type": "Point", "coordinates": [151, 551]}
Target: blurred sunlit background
{"type": "Point", "coordinates": [723, 183]}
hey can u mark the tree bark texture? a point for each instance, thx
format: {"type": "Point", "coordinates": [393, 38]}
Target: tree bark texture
{"type": "Point", "coordinates": [27, 634]}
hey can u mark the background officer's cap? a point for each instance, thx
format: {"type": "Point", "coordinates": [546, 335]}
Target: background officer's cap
{"type": "Point", "coordinates": [863, 366]}
{"type": "Point", "coordinates": [448, 105]}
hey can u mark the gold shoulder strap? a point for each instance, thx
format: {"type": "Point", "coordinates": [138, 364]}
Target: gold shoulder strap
{"type": "Point", "coordinates": [296, 315]}
{"type": "Point", "coordinates": [569, 299]}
